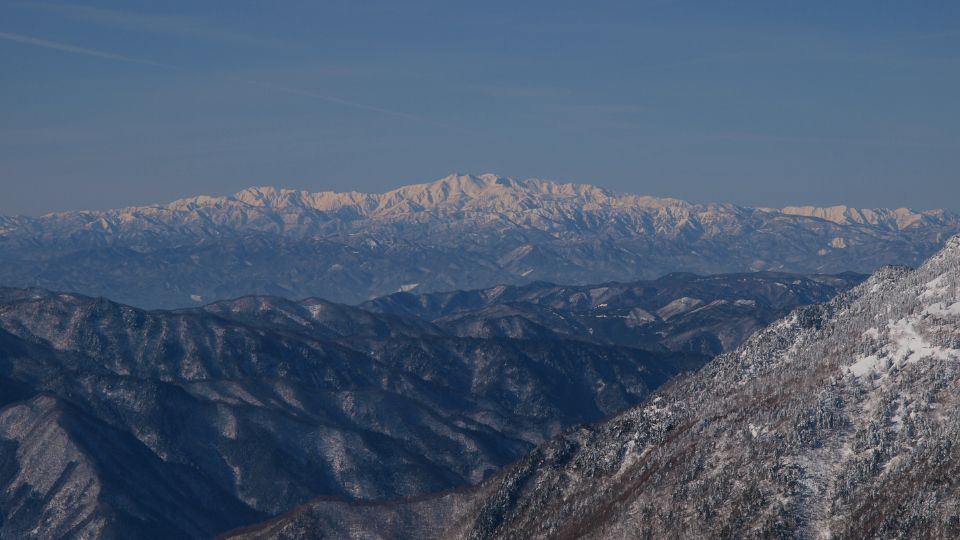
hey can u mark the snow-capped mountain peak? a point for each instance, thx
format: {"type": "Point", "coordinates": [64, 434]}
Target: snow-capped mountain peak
{"type": "Point", "coordinates": [459, 231]}
{"type": "Point", "coordinates": [457, 191]}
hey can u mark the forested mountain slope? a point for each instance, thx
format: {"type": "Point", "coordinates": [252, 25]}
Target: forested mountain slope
{"type": "Point", "coordinates": [841, 420]}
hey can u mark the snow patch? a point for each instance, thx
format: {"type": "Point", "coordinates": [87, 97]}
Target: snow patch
{"type": "Point", "coordinates": [905, 346]}
{"type": "Point", "coordinates": [679, 306]}
{"type": "Point", "coordinates": [934, 287]}
{"type": "Point", "coordinates": [941, 309]}
{"type": "Point", "coordinates": [911, 347]}
{"type": "Point", "coordinates": [864, 365]}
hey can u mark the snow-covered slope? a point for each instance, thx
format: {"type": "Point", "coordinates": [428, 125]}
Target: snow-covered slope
{"type": "Point", "coordinates": [461, 231]}
{"type": "Point", "coordinates": [840, 421]}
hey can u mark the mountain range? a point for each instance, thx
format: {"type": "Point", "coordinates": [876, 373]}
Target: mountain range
{"type": "Point", "coordinates": [121, 422]}
{"type": "Point", "coordinates": [460, 232]}
{"type": "Point", "coordinates": [478, 357]}
{"type": "Point", "coordinates": [677, 312]}
{"type": "Point", "coordinates": [839, 421]}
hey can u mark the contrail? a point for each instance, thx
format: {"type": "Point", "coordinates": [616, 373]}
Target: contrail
{"type": "Point", "coordinates": [332, 99]}
{"type": "Point", "coordinates": [47, 44]}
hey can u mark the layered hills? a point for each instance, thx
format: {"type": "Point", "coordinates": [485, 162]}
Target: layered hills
{"type": "Point", "coordinates": [121, 422]}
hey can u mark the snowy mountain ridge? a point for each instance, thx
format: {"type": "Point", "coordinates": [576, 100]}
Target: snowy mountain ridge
{"type": "Point", "coordinates": [468, 193]}
{"type": "Point", "coordinates": [460, 232]}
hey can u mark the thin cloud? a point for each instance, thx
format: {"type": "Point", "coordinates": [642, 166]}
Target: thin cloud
{"type": "Point", "coordinates": [532, 92]}
{"type": "Point", "coordinates": [158, 24]}
{"type": "Point", "coordinates": [764, 137]}
{"type": "Point", "coordinates": [721, 58]}
{"type": "Point", "coordinates": [332, 99]}
{"type": "Point", "coordinates": [64, 47]}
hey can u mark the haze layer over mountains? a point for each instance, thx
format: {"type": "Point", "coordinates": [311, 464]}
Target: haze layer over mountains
{"type": "Point", "coordinates": [461, 232]}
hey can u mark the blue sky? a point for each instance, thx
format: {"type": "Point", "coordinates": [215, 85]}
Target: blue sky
{"type": "Point", "coordinates": [766, 103]}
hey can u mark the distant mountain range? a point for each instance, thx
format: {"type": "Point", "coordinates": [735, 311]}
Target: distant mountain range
{"type": "Point", "coordinates": [456, 233]}
{"type": "Point", "coordinates": [841, 420]}
{"type": "Point", "coordinates": [119, 422]}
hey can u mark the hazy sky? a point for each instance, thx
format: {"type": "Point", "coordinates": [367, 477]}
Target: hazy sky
{"type": "Point", "coordinates": [106, 104]}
